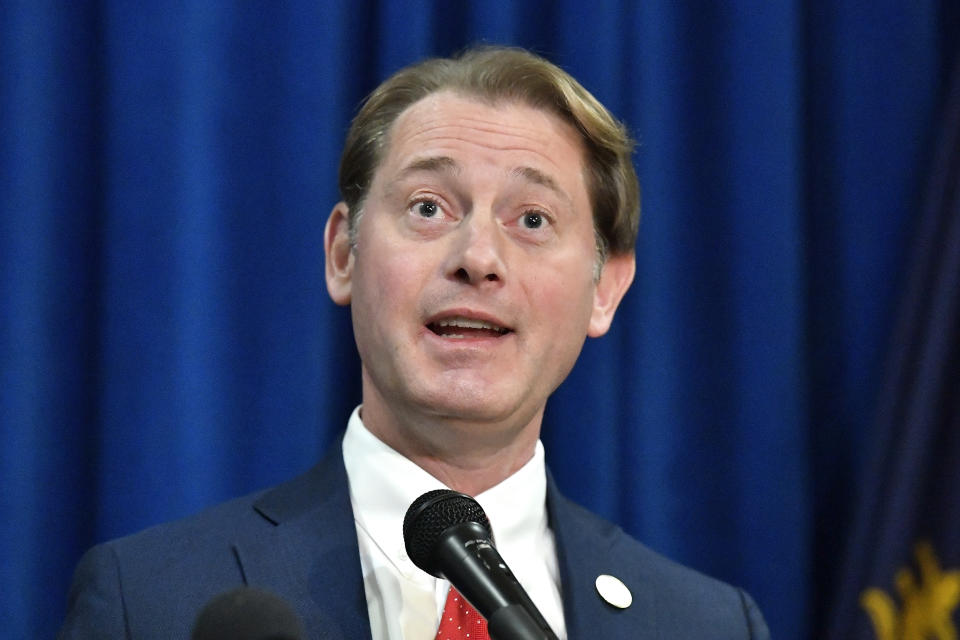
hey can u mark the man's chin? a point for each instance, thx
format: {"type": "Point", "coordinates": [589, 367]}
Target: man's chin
{"type": "Point", "coordinates": [460, 402]}
{"type": "Point", "coordinates": [496, 412]}
{"type": "Point", "coordinates": [468, 412]}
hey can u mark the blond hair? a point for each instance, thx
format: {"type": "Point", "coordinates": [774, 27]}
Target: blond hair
{"type": "Point", "coordinates": [503, 73]}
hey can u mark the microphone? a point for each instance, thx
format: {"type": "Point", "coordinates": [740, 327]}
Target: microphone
{"type": "Point", "coordinates": [447, 534]}
{"type": "Point", "coordinates": [247, 613]}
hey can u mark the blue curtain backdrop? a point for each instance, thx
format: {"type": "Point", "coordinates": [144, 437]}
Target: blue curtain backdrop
{"type": "Point", "coordinates": [165, 336]}
{"type": "Point", "coordinates": [905, 543]}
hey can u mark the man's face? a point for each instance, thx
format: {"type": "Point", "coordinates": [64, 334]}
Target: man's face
{"type": "Point", "coordinates": [472, 282]}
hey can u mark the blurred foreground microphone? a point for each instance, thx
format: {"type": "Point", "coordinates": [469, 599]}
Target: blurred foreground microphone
{"type": "Point", "coordinates": [447, 534]}
{"type": "Point", "coordinates": [247, 613]}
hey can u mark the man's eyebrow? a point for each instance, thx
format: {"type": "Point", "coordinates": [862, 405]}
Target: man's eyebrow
{"type": "Point", "coordinates": [447, 165]}
{"type": "Point", "coordinates": [433, 164]}
{"type": "Point", "coordinates": [539, 177]}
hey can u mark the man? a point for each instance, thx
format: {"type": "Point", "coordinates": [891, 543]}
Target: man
{"type": "Point", "coordinates": [487, 228]}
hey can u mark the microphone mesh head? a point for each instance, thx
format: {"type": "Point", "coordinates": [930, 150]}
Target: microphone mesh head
{"type": "Point", "coordinates": [430, 516]}
{"type": "Point", "coordinates": [247, 613]}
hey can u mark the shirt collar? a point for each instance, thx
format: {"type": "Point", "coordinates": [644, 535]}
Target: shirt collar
{"type": "Point", "coordinates": [383, 484]}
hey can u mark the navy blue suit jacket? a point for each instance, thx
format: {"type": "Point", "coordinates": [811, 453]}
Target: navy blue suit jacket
{"type": "Point", "coordinates": [299, 541]}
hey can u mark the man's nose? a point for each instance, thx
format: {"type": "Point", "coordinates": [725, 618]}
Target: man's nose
{"type": "Point", "coordinates": [478, 254]}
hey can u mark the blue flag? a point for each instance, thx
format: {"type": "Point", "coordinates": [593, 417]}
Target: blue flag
{"type": "Point", "coordinates": [902, 576]}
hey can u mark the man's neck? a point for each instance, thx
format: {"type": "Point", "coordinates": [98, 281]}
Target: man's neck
{"type": "Point", "coordinates": [472, 475]}
{"type": "Point", "coordinates": [469, 457]}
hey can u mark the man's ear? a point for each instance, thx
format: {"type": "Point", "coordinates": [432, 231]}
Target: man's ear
{"type": "Point", "coordinates": [339, 254]}
{"type": "Point", "coordinates": [614, 281]}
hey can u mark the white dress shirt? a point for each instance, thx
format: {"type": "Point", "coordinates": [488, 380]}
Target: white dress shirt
{"type": "Point", "coordinates": [405, 602]}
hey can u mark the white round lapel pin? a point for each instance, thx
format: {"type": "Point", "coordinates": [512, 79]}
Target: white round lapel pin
{"type": "Point", "coordinates": [614, 591]}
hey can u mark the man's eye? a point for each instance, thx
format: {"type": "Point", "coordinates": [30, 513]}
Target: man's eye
{"type": "Point", "coordinates": [532, 220]}
{"type": "Point", "coordinates": [426, 208]}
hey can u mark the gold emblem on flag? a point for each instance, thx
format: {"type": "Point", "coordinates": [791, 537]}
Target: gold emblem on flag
{"type": "Point", "coordinates": [928, 602]}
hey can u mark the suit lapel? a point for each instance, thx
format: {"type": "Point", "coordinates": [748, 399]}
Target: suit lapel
{"type": "Point", "coordinates": [310, 555]}
{"type": "Point", "coordinates": [586, 549]}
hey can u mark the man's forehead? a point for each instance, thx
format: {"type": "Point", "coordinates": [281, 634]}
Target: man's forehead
{"type": "Point", "coordinates": [503, 117]}
{"type": "Point", "coordinates": [538, 141]}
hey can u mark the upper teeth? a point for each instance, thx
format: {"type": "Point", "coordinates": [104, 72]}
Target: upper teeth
{"type": "Point", "coordinates": [467, 323]}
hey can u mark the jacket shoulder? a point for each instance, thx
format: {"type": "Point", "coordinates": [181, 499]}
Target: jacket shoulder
{"type": "Point", "coordinates": [669, 600]}
{"type": "Point", "coordinates": [152, 583]}
{"type": "Point", "coordinates": [160, 576]}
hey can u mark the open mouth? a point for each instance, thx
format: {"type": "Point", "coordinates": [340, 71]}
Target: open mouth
{"type": "Point", "coordinates": [461, 328]}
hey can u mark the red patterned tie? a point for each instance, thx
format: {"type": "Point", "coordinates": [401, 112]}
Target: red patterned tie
{"type": "Point", "coordinates": [460, 620]}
